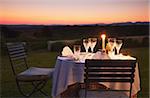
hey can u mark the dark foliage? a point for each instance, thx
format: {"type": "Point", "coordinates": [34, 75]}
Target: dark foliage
{"type": "Point", "coordinates": [38, 35]}
{"type": "Point", "coordinates": [72, 32]}
{"type": "Point", "coordinates": [9, 33]}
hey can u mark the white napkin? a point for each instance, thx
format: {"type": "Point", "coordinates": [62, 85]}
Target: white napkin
{"type": "Point", "coordinates": [121, 57]}
{"type": "Point", "coordinates": [67, 52]}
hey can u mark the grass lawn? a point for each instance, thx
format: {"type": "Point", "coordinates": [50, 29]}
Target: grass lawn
{"type": "Point", "coordinates": [142, 55]}
{"type": "Point", "coordinates": [47, 59]}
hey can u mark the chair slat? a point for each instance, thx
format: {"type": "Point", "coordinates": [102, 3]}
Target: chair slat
{"type": "Point", "coordinates": [17, 55]}
{"type": "Point", "coordinates": [16, 52]}
{"type": "Point", "coordinates": [108, 70]}
{"type": "Point", "coordinates": [111, 65]}
{"type": "Point", "coordinates": [109, 75]}
{"type": "Point", "coordinates": [110, 80]}
{"type": "Point", "coordinates": [14, 46]}
{"type": "Point", "coordinates": [15, 49]}
{"type": "Point", "coordinates": [117, 63]}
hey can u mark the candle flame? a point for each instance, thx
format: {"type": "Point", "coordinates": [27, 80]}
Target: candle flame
{"type": "Point", "coordinates": [103, 36]}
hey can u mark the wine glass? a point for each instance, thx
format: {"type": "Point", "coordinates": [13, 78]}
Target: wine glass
{"type": "Point", "coordinates": [76, 50]}
{"type": "Point", "coordinates": [93, 42]}
{"type": "Point", "coordinates": [112, 44]}
{"type": "Point", "coordinates": [118, 45]}
{"type": "Point", "coordinates": [86, 44]}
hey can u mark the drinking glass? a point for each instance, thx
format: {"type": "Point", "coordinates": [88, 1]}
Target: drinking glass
{"type": "Point", "coordinates": [86, 44]}
{"type": "Point", "coordinates": [118, 45]}
{"type": "Point", "coordinates": [93, 42]}
{"type": "Point", "coordinates": [76, 50]}
{"type": "Point", "coordinates": [112, 43]}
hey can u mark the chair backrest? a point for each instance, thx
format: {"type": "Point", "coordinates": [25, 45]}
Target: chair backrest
{"type": "Point", "coordinates": [109, 71]}
{"type": "Point", "coordinates": [17, 56]}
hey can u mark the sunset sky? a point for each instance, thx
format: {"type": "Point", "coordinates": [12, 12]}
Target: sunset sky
{"type": "Point", "coordinates": [72, 11]}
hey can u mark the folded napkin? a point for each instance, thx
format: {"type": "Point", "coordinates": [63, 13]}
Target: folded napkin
{"type": "Point", "coordinates": [121, 57]}
{"type": "Point", "coordinates": [67, 52]}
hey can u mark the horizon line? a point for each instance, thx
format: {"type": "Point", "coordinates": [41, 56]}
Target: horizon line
{"type": "Point", "coordinates": [81, 24]}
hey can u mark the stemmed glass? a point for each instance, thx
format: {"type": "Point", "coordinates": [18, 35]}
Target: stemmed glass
{"type": "Point", "coordinates": [112, 44]}
{"type": "Point", "coordinates": [86, 44]}
{"type": "Point", "coordinates": [118, 45]}
{"type": "Point", "coordinates": [76, 50]}
{"type": "Point", "coordinates": [93, 42]}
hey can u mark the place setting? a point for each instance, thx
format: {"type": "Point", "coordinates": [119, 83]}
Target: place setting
{"type": "Point", "coordinates": [110, 50]}
{"type": "Point", "coordinates": [73, 61]}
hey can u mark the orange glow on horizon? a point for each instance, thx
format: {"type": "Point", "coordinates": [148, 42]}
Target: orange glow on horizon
{"type": "Point", "coordinates": [20, 20]}
{"type": "Point", "coordinates": [75, 12]}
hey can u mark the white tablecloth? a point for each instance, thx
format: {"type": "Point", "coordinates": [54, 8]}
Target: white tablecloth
{"type": "Point", "coordinates": [68, 71]}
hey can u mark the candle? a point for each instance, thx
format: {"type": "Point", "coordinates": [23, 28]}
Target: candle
{"type": "Point", "coordinates": [103, 36]}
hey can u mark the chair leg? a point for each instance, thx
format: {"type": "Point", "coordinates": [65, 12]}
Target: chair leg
{"type": "Point", "coordinates": [36, 88]}
{"type": "Point", "coordinates": [19, 88]}
{"type": "Point", "coordinates": [41, 91]}
{"type": "Point", "coordinates": [130, 90]}
{"type": "Point", "coordinates": [86, 90]}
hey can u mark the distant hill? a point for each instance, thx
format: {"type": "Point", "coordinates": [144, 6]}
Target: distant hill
{"type": "Point", "coordinates": [54, 32]}
{"type": "Point", "coordinates": [130, 23]}
{"type": "Point", "coordinates": [116, 24]}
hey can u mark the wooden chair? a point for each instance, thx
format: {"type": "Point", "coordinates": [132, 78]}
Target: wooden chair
{"type": "Point", "coordinates": [36, 77]}
{"type": "Point", "coordinates": [109, 71]}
